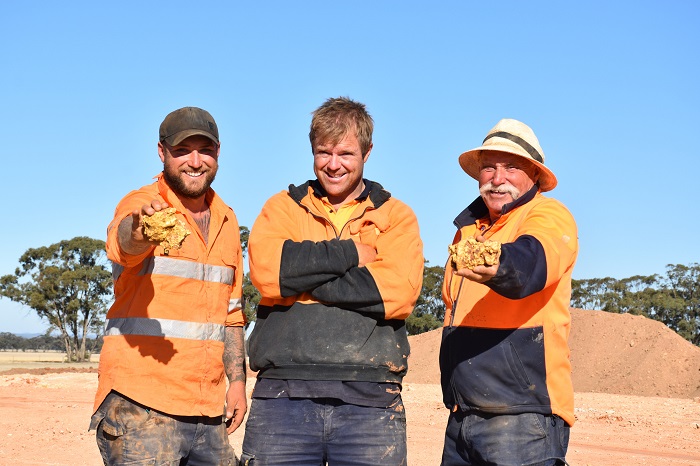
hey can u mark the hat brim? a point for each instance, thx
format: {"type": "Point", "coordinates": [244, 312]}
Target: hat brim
{"type": "Point", "coordinates": [469, 161]}
{"type": "Point", "coordinates": [177, 138]}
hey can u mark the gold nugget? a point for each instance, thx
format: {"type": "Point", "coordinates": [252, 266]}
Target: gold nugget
{"type": "Point", "coordinates": [469, 253]}
{"type": "Point", "coordinates": [166, 228]}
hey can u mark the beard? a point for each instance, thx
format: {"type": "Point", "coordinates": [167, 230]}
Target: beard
{"type": "Point", "coordinates": [174, 180]}
{"type": "Point", "coordinates": [504, 188]}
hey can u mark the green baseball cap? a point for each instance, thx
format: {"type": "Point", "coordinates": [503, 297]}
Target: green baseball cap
{"type": "Point", "coordinates": [185, 122]}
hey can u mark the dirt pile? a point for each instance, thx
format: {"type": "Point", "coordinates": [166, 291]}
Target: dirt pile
{"type": "Point", "coordinates": [610, 353]}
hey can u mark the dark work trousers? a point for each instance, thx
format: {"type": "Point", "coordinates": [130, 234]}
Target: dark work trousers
{"type": "Point", "coordinates": [527, 439]}
{"type": "Point", "coordinates": [130, 433]}
{"type": "Point", "coordinates": [319, 431]}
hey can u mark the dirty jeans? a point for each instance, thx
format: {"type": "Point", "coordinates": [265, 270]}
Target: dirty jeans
{"type": "Point", "coordinates": [284, 431]}
{"type": "Point", "coordinates": [504, 440]}
{"type": "Point", "coordinates": [130, 433]}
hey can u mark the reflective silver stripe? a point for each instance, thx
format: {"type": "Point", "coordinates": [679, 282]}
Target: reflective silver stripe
{"type": "Point", "coordinates": [116, 270]}
{"type": "Point", "coordinates": [233, 305]}
{"type": "Point", "coordinates": [164, 328]}
{"type": "Point", "coordinates": [186, 269]}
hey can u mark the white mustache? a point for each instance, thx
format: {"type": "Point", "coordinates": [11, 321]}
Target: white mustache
{"type": "Point", "coordinates": [504, 189]}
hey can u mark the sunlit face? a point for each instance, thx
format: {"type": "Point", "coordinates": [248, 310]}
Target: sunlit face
{"type": "Point", "coordinates": [503, 178]}
{"type": "Point", "coordinates": [190, 167]}
{"type": "Point", "coordinates": [339, 168]}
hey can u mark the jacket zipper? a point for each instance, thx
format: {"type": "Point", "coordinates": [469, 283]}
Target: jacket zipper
{"type": "Point", "coordinates": [454, 303]}
{"type": "Point", "coordinates": [352, 220]}
{"type": "Point", "coordinates": [327, 221]}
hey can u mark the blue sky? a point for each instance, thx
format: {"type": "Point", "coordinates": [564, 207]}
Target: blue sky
{"type": "Point", "coordinates": [610, 89]}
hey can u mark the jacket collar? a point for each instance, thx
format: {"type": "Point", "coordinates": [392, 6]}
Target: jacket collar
{"type": "Point", "coordinates": [478, 209]}
{"type": "Point", "coordinates": [373, 190]}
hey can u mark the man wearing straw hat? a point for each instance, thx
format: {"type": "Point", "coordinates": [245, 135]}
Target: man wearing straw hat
{"type": "Point", "coordinates": [504, 359]}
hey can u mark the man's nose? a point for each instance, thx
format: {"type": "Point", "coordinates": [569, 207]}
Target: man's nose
{"type": "Point", "coordinates": [195, 158]}
{"type": "Point", "coordinates": [334, 162]}
{"type": "Point", "coordinates": [499, 175]}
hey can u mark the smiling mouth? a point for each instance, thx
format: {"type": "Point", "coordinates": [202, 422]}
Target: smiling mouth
{"type": "Point", "coordinates": [499, 193]}
{"type": "Point", "coordinates": [194, 174]}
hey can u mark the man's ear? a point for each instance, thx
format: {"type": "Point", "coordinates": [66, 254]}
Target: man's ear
{"type": "Point", "coordinates": [536, 172]}
{"type": "Point", "coordinates": [161, 151]}
{"type": "Point", "coordinates": [366, 156]}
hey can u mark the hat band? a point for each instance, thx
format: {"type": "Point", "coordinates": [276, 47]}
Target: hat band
{"type": "Point", "coordinates": [519, 141]}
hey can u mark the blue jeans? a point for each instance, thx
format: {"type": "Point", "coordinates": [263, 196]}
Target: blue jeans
{"type": "Point", "coordinates": [315, 432]}
{"type": "Point", "coordinates": [505, 440]}
{"type": "Point", "coordinates": [130, 433]}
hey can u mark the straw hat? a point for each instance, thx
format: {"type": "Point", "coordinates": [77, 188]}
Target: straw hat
{"type": "Point", "coordinates": [511, 137]}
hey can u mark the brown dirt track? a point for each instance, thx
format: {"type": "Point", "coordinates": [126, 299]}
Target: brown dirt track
{"type": "Point", "coordinates": [637, 400]}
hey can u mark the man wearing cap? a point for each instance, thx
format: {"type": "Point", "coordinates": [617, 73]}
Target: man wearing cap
{"type": "Point", "coordinates": [174, 334]}
{"type": "Point", "coordinates": [339, 264]}
{"type": "Point", "coordinates": [504, 359]}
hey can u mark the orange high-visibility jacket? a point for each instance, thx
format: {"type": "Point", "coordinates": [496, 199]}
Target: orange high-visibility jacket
{"type": "Point", "coordinates": [504, 347]}
{"type": "Point", "coordinates": [164, 334]}
{"type": "Point", "coordinates": [321, 317]}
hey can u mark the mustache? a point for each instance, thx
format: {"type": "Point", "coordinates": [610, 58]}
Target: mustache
{"type": "Point", "coordinates": [504, 189]}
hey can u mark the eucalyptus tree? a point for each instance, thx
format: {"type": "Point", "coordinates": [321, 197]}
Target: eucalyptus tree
{"type": "Point", "coordinates": [68, 284]}
{"type": "Point", "coordinates": [429, 311]}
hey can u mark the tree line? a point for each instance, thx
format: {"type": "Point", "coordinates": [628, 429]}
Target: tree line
{"type": "Point", "coordinates": [69, 285]}
{"type": "Point", "coordinates": [672, 298]}
{"type": "Point", "coordinates": [45, 342]}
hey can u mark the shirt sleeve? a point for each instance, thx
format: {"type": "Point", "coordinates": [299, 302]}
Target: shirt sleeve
{"type": "Point", "coordinates": [282, 264]}
{"type": "Point", "coordinates": [544, 250]}
{"type": "Point", "coordinates": [236, 316]}
{"type": "Point", "coordinates": [392, 283]}
{"type": "Point", "coordinates": [132, 201]}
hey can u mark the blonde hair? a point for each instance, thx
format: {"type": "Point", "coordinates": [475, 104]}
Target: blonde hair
{"type": "Point", "coordinates": [333, 120]}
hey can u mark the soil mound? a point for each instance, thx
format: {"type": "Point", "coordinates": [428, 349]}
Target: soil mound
{"type": "Point", "coordinates": [610, 353]}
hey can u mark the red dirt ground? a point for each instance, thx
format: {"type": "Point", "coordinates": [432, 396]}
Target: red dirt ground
{"type": "Point", "coordinates": [637, 401]}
